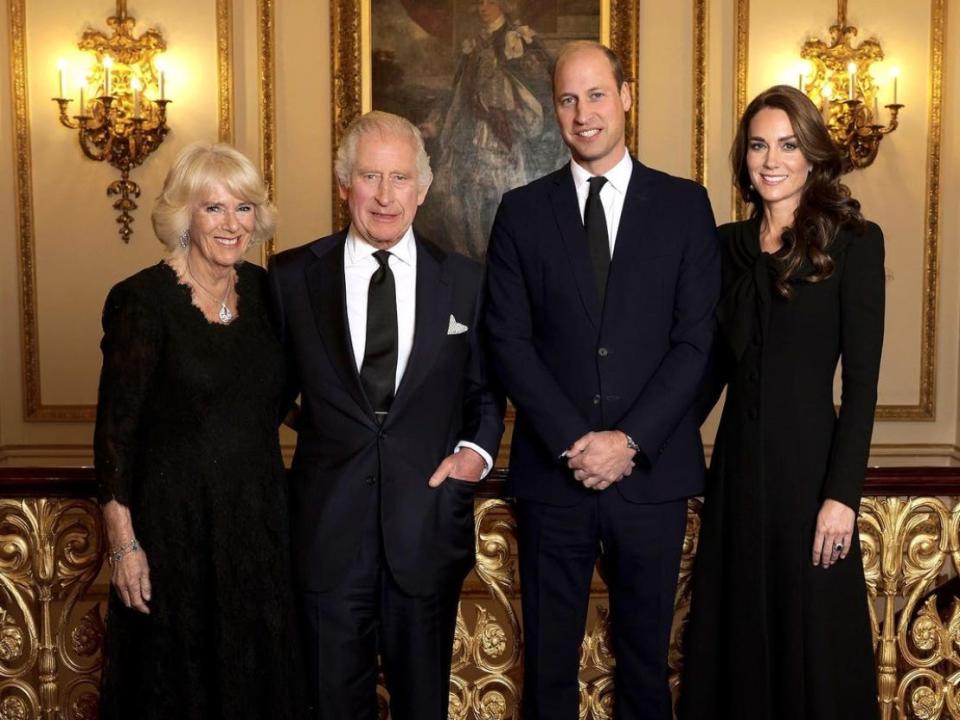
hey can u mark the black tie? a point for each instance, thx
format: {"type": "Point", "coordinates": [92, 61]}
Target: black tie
{"type": "Point", "coordinates": [595, 222]}
{"type": "Point", "coordinates": [379, 369]}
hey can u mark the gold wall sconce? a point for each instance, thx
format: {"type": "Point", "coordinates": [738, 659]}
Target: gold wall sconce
{"type": "Point", "coordinates": [839, 80]}
{"type": "Point", "coordinates": [124, 118]}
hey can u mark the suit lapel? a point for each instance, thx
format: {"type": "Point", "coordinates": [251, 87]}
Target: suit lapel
{"type": "Point", "coordinates": [432, 317]}
{"type": "Point", "coordinates": [566, 208]}
{"type": "Point", "coordinates": [327, 289]}
{"type": "Point", "coordinates": [634, 219]}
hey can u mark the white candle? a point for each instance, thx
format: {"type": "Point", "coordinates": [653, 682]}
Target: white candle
{"type": "Point", "coordinates": [107, 64]}
{"type": "Point", "coordinates": [800, 82]}
{"type": "Point", "coordinates": [61, 83]}
{"type": "Point", "coordinates": [81, 102]}
{"type": "Point", "coordinates": [852, 92]}
{"type": "Point", "coordinates": [163, 85]}
{"type": "Point", "coordinates": [876, 110]}
{"type": "Point", "coordinates": [894, 89]}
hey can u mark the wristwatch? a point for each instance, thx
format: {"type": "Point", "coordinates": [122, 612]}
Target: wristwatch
{"type": "Point", "coordinates": [631, 443]}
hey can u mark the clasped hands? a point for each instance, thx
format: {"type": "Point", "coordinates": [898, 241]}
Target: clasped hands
{"type": "Point", "coordinates": [599, 459]}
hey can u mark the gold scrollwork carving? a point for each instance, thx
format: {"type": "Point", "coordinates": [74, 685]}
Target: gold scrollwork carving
{"type": "Point", "coordinates": [486, 660]}
{"type": "Point", "coordinates": [50, 553]}
{"type": "Point", "coordinates": [907, 544]}
{"type": "Point", "coordinates": [51, 634]}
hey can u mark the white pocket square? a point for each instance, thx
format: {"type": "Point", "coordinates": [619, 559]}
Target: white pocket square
{"type": "Point", "coordinates": [455, 328]}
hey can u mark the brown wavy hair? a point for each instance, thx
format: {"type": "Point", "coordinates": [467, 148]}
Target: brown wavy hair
{"type": "Point", "coordinates": [825, 204]}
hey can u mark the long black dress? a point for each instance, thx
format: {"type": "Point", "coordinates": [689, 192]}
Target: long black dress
{"type": "Point", "coordinates": [770, 636]}
{"type": "Point", "coordinates": [186, 437]}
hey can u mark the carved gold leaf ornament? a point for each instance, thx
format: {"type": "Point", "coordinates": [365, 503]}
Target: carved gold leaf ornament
{"type": "Point", "coordinates": [50, 553]}
{"type": "Point", "coordinates": [51, 635]}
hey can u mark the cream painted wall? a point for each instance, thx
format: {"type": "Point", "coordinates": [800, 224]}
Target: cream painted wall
{"type": "Point", "coordinates": [79, 254]}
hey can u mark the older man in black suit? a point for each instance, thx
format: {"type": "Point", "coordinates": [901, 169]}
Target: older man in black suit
{"type": "Point", "coordinates": [397, 426]}
{"type": "Point", "coordinates": [603, 278]}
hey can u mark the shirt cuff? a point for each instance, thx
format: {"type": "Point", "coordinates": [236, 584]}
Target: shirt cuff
{"type": "Point", "coordinates": [487, 460]}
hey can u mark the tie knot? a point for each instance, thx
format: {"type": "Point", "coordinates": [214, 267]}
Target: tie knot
{"type": "Point", "coordinates": [382, 257]}
{"type": "Point", "coordinates": [596, 183]}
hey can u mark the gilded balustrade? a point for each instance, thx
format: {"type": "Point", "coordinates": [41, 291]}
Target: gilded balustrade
{"type": "Point", "coordinates": [53, 588]}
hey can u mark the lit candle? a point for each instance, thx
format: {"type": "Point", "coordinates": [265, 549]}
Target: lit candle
{"type": "Point", "coordinates": [896, 74]}
{"type": "Point", "coordinates": [876, 110]}
{"type": "Point", "coordinates": [161, 65]}
{"type": "Point", "coordinates": [800, 82]}
{"type": "Point", "coordinates": [826, 92]}
{"type": "Point", "coordinates": [107, 64]}
{"type": "Point", "coordinates": [61, 66]}
{"type": "Point", "coordinates": [852, 70]}
{"type": "Point", "coordinates": [81, 102]}
{"type": "Point", "coordinates": [135, 85]}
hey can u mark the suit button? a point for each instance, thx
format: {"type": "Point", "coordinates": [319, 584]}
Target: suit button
{"type": "Point", "coordinates": [596, 399]}
{"type": "Point", "coordinates": [752, 376]}
{"type": "Point", "coordinates": [371, 480]}
{"type": "Point", "coordinates": [603, 352]}
{"type": "Point", "coordinates": [754, 413]}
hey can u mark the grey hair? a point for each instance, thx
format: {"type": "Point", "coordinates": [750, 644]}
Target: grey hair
{"type": "Point", "coordinates": [198, 168]}
{"type": "Point", "coordinates": [386, 124]}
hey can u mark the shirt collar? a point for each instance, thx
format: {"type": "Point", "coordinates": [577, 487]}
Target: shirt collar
{"type": "Point", "coordinates": [618, 176]}
{"type": "Point", "coordinates": [358, 249]}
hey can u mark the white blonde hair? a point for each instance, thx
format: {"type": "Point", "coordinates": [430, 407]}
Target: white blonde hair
{"type": "Point", "coordinates": [196, 170]}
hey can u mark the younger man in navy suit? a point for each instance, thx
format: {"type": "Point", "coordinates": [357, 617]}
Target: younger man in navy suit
{"type": "Point", "coordinates": [602, 282]}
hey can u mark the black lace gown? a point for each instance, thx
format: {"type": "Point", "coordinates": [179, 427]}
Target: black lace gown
{"type": "Point", "coordinates": [186, 437]}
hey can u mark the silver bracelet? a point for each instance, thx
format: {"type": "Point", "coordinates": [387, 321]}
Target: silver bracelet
{"type": "Point", "coordinates": [115, 555]}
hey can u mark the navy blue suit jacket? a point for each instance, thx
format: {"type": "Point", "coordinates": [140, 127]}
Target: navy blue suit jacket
{"type": "Point", "coordinates": [636, 363]}
{"type": "Point", "coordinates": [344, 457]}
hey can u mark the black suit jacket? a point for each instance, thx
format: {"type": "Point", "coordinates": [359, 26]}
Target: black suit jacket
{"type": "Point", "coordinates": [636, 363]}
{"type": "Point", "coordinates": [344, 458]}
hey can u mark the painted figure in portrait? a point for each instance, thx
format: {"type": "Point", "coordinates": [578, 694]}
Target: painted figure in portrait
{"type": "Point", "coordinates": [480, 93]}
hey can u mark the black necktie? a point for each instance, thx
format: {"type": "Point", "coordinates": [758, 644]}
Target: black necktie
{"type": "Point", "coordinates": [379, 369]}
{"type": "Point", "coordinates": [595, 222]}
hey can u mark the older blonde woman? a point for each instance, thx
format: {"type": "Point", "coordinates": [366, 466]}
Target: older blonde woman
{"type": "Point", "coordinates": [188, 461]}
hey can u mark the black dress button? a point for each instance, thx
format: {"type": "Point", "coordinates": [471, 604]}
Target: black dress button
{"type": "Point", "coordinates": [754, 413]}
{"type": "Point", "coordinates": [371, 480]}
{"type": "Point", "coordinates": [596, 399]}
{"type": "Point", "coordinates": [603, 352]}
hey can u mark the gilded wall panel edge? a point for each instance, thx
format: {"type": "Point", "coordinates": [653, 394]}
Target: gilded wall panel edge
{"type": "Point", "coordinates": [268, 114]}
{"type": "Point", "coordinates": [701, 29]}
{"type": "Point", "coordinates": [34, 409]}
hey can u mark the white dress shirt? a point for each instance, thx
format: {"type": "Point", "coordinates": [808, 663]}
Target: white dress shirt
{"type": "Point", "coordinates": [359, 265]}
{"type": "Point", "coordinates": [611, 194]}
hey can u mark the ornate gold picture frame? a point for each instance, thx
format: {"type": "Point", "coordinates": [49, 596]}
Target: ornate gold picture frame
{"type": "Point", "coordinates": [360, 64]}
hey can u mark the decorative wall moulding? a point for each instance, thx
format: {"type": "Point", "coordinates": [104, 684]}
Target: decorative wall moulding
{"type": "Point", "coordinates": [925, 407]}
{"type": "Point", "coordinates": [34, 409]}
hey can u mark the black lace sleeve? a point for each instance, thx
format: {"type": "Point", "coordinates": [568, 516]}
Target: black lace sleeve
{"type": "Point", "coordinates": [131, 349]}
